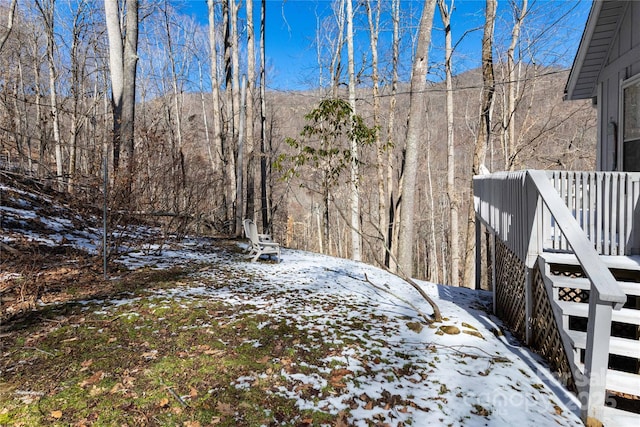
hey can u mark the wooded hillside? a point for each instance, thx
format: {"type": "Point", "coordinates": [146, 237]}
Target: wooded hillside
{"type": "Point", "coordinates": [207, 143]}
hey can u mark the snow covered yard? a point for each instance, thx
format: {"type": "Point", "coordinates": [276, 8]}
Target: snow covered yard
{"type": "Point", "coordinates": [196, 335]}
{"type": "Point", "coordinates": [385, 366]}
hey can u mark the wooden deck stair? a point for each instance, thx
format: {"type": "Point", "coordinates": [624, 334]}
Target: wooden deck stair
{"type": "Point", "coordinates": [541, 223]}
{"type": "Point", "coordinates": [569, 291]}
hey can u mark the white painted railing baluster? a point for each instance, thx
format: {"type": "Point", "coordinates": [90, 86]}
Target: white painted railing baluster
{"type": "Point", "coordinates": [512, 200]}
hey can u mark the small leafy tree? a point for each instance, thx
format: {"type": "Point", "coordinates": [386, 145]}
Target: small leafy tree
{"type": "Point", "coordinates": [324, 147]}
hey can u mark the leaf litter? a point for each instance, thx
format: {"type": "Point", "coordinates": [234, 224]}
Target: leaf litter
{"type": "Point", "coordinates": [193, 334]}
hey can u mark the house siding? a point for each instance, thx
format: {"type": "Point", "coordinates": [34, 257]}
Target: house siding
{"type": "Point", "coordinates": [622, 63]}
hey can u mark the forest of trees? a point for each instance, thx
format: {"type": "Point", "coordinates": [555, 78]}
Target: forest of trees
{"type": "Point", "coordinates": [373, 162]}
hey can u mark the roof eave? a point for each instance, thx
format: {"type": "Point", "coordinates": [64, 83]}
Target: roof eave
{"type": "Point", "coordinates": [578, 61]}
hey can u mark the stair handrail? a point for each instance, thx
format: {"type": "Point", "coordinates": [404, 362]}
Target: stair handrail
{"type": "Point", "coordinates": [605, 295]}
{"type": "Point", "coordinates": [594, 268]}
{"type": "Point", "coordinates": [511, 205]}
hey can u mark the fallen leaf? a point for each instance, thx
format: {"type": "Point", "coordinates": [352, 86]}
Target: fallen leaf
{"type": "Point", "coordinates": [92, 379]}
{"type": "Point", "coordinates": [96, 391]}
{"type": "Point", "coordinates": [56, 414]}
{"type": "Point", "coordinates": [116, 388]}
{"type": "Point", "coordinates": [225, 409]}
{"type": "Point", "coordinates": [341, 372]}
{"type": "Point", "coordinates": [342, 420]}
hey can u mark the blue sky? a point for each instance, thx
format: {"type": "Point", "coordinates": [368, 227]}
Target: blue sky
{"type": "Point", "coordinates": [291, 30]}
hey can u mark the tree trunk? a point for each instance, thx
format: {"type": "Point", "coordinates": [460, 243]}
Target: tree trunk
{"type": "Point", "coordinates": [484, 132]}
{"type": "Point", "coordinates": [78, 30]}
{"type": "Point", "coordinates": [40, 126]}
{"type": "Point", "coordinates": [414, 132]}
{"type": "Point", "coordinates": [433, 255]}
{"type": "Point", "coordinates": [235, 100]}
{"type": "Point", "coordinates": [205, 122]}
{"type": "Point", "coordinates": [325, 214]}
{"type": "Point", "coordinates": [391, 249]}
{"type": "Point", "coordinates": [454, 243]}
{"type": "Point", "coordinates": [264, 195]}
{"type": "Point", "coordinates": [180, 196]}
{"type": "Point", "coordinates": [123, 60]}
{"type": "Point", "coordinates": [9, 26]}
{"type": "Point", "coordinates": [510, 112]}
{"type": "Point", "coordinates": [336, 66]}
{"type": "Point", "coordinates": [249, 138]}
{"type": "Point", "coordinates": [230, 140]}
{"type": "Point", "coordinates": [355, 197]}
{"type": "Point", "coordinates": [240, 160]}
{"type": "Point", "coordinates": [374, 32]}
{"type": "Point", "coordinates": [47, 10]}
{"type": "Point", "coordinates": [215, 92]}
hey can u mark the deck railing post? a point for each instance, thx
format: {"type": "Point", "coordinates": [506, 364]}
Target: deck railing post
{"type": "Point", "coordinates": [528, 306]}
{"type": "Point", "coordinates": [478, 253]}
{"type": "Point", "coordinates": [593, 387]}
{"type": "Point", "coordinates": [494, 282]}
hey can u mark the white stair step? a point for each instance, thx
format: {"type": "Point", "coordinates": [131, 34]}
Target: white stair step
{"type": "Point", "coordinates": [622, 382]}
{"type": "Point", "coordinates": [613, 417]}
{"type": "Point", "coordinates": [629, 288]}
{"type": "Point", "coordinates": [624, 315]}
{"type": "Point", "coordinates": [619, 346]}
{"type": "Point", "coordinates": [626, 262]}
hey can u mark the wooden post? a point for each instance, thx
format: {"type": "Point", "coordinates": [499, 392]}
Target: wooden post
{"type": "Point", "coordinates": [478, 253]}
{"type": "Point", "coordinates": [596, 360]}
{"type": "Point", "coordinates": [528, 305]}
{"type": "Point", "coordinates": [494, 282]}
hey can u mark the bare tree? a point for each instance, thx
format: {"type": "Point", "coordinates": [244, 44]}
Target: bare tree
{"type": "Point", "coordinates": [373, 18]}
{"type": "Point", "coordinates": [47, 11]}
{"type": "Point", "coordinates": [353, 184]}
{"type": "Point", "coordinates": [336, 64]}
{"type": "Point", "coordinates": [232, 101]}
{"type": "Point", "coordinates": [233, 8]}
{"type": "Point", "coordinates": [391, 254]}
{"type": "Point", "coordinates": [178, 164]}
{"type": "Point", "coordinates": [10, 16]}
{"type": "Point", "coordinates": [454, 248]}
{"type": "Point", "coordinates": [215, 89]}
{"type": "Point", "coordinates": [414, 131]}
{"type": "Point", "coordinates": [484, 130]}
{"type": "Point", "coordinates": [249, 111]}
{"type": "Point", "coordinates": [508, 119]}
{"type": "Point", "coordinates": [123, 60]}
{"type": "Point", "coordinates": [79, 27]}
{"type": "Point", "coordinates": [264, 194]}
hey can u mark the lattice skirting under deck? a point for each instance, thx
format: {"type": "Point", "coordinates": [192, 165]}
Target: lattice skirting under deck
{"type": "Point", "coordinates": [509, 289]}
{"type": "Point", "coordinates": [546, 339]}
{"type": "Point", "coordinates": [511, 308]}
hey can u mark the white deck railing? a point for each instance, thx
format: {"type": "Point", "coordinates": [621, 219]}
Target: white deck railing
{"type": "Point", "coordinates": [526, 212]}
{"type": "Point", "coordinates": [605, 205]}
